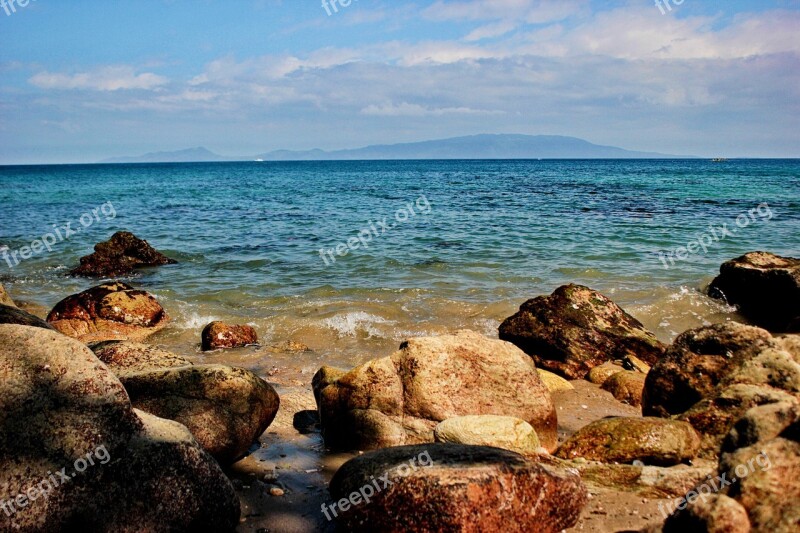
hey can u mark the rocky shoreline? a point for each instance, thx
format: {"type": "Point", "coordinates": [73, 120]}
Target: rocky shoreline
{"type": "Point", "coordinates": [575, 419]}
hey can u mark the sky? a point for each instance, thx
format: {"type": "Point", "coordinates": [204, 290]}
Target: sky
{"type": "Point", "coordinates": [83, 80]}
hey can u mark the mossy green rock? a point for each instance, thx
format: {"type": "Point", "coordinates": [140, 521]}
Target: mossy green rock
{"type": "Point", "coordinates": [653, 441]}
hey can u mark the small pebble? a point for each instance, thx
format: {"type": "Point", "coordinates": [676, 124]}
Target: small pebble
{"type": "Point", "coordinates": [275, 491]}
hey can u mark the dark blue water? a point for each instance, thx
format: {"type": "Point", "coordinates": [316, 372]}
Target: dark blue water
{"type": "Point", "coordinates": [478, 237]}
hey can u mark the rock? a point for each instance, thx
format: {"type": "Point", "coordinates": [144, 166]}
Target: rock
{"type": "Point", "coordinates": [327, 375]}
{"type": "Point", "coordinates": [653, 441]}
{"type": "Point", "coordinates": [451, 487]}
{"type": "Point", "coordinates": [694, 365]}
{"type": "Point", "coordinates": [791, 344]}
{"type": "Point", "coordinates": [575, 329]}
{"type": "Point", "coordinates": [306, 422]}
{"type": "Point", "coordinates": [647, 481]}
{"type": "Point", "coordinates": [59, 404]}
{"type": "Point", "coordinates": [767, 483]}
{"type": "Point", "coordinates": [775, 368]}
{"type": "Point", "coordinates": [554, 382]}
{"type": "Point", "coordinates": [124, 357]}
{"type": "Point", "coordinates": [765, 287]}
{"type": "Point", "coordinates": [5, 299]}
{"type": "Point", "coordinates": [761, 423]}
{"type": "Point", "coordinates": [226, 409]}
{"type": "Point", "coordinates": [219, 335]}
{"type": "Point", "coordinates": [13, 315]}
{"type": "Point", "coordinates": [626, 386]}
{"type": "Point", "coordinates": [504, 432]}
{"type": "Point", "coordinates": [119, 256]}
{"type": "Point", "coordinates": [714, 416]}
{"type": "Point", "coordinates": [599, 374]}
{"type": "Point", "coordinates": [400, 399]}
{"type": "Point", "coordinates": [712, 513]}
{"type": "Point", "coordinates": [288, 347]}
{"type": "Point", "coordinates": [113, 311]}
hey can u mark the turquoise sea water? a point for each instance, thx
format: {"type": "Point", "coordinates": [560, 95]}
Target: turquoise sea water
{"type": "Point", "coordinates": [478, 239]}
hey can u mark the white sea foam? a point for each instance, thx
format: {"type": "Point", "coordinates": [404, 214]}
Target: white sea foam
{"type": "Point", "coordinates": [351, 324]}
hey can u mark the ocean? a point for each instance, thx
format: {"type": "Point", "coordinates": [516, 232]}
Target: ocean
{"type": "Point", "coordinates": [351, 258]}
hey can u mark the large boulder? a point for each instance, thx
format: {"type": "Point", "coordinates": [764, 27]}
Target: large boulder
{"type": "Point", "coordinates": [14, 315]}
{"type": "Point", "coordinates": [226, 409]}
{"type": "Point", "coordinates": [695, 364]}
{"type": "Point", "coordinates": [5, 299]}
{"type": "Point", "coordinates": [714, 416]}
{"type": "Point", "coordinates": [451, 487]}
{"type": "Point", "coordinates": [400, 399]}
{"type": "Point", "coordinates": [112, 311]}
{"type": "Point", "coordinates": [653, 441]}
{"type": "Point", "coordinates": [765, 287]}
{"type": "Point", "coordinates": [219, 335]}
{"type": "Point", "coordinates": [62, 410]}
{"type": "Point", "coordinates": [504, 432]}
{"type": "Point", "coordinates": [119, 256]}
{"type": "Point", "coordinates": [575, 329]}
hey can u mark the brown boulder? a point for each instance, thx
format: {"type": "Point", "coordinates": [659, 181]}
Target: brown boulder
{"type": "Point", "coordinates": [59, 405]}
{"type": "Point", "coordinates": [711, 513]}
{"type": "Point", "coordinates": [695, 364]}
{"type": "Point", "coordinates": [766, 482]}
{"type": "Point", "coordinates": [119, 256]}
{"type": "Point", "coordinates": [226, 409]}
{"type": "Point", "coordinates": [626, 386]}
{"type": "Point", "coordinates": [14, 315]}
{"type": "Point", "coordinates": [219, 335]}
{"type": "Point", "coordinates": [575, 329]}
{"type": "Point", "coordinates": [653, 441]}
{"type": "Point", "coordinates": [452, 487]}
{"type": "Point", "coordinates": [112, 311]}
{"type": "Point", "coordinates": [399, 399]}
{"type": "Point", "coordinates": [5, 299]}
{"type": "Point", "coordinates": [765, 287]}
{"type": "Point", "coordinates": [714, 416]}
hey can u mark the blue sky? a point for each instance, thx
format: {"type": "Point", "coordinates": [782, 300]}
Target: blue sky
{"type": "Point", "coordinates": [82, 80]}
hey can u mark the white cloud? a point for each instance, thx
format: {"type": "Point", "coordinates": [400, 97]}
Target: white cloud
{"type": "Point", "coordinates": [405, 109]}
{"type": "Point", "coordinates": [112, 78]}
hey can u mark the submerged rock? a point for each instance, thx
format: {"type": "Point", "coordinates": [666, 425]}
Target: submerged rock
{"type": "Point", "coordinates": [765, 287]}
{"type": "Point", "coordinates": [653, 441]}
{"type": "Point", "coordinates": [400, 399]}
{"type": "Point", "coordinates": [61, 405]}
{"type": "Point", "coordinates": [576, 329]}
{"type": "Point", "coordinates": [451, 487]}
{"type": "Point", "coordinates": [504, 432]}
{"type": "Point", "coordinates": [219, 335]}
{"type": "Point", "coordinates": [226, 409]}
{"type": "Point", "coordinates": [112, 311]}
{"type": "Point", "coordinates": [695, 364]}
{"type": "Point", "coordinates": [119, 256]}
{"type": "Point", "coordinates": [14, 315]}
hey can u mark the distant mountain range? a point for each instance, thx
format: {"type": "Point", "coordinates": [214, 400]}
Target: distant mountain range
{"type": "Point", "coordinates": [471, 147]}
